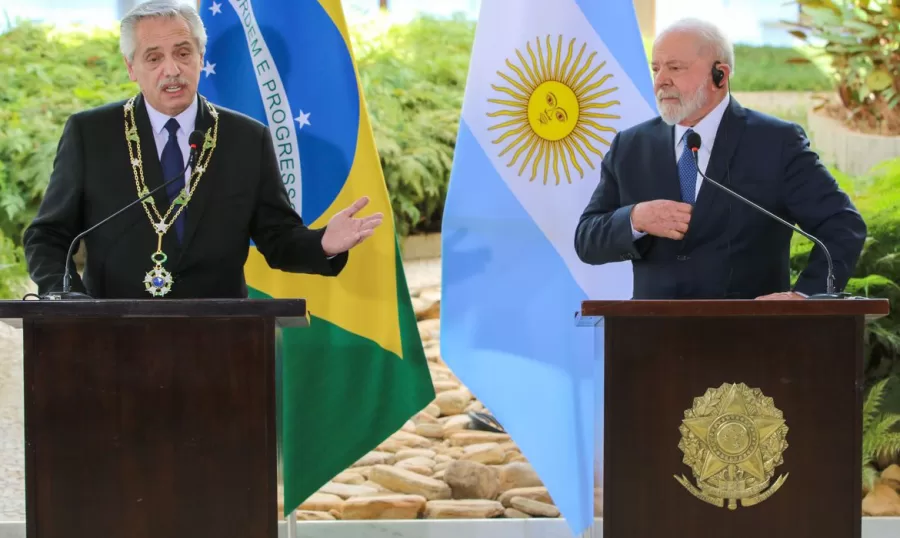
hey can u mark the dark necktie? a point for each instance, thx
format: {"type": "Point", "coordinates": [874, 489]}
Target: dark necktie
{"type": "Point", "coordinates": [173, 163]}
{"type": "Point", "coordinates": [687, 172]}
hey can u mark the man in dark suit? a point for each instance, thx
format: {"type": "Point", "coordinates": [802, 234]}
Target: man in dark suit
{"type": "Point", "coordinates": [190, 239]}
{"type": "Point", "coordinates": [687, 240]}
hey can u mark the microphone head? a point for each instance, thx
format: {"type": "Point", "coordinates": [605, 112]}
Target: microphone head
{"type": "Point", "coordinates": [195, 141]}
{"type": "Point", "coordinates": [693, 141]}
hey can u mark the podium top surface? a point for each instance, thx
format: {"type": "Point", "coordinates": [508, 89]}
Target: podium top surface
{"type": "Point", "coordinates": [592, 311]}
{"type": "Point", "coordinates": [287, 312]}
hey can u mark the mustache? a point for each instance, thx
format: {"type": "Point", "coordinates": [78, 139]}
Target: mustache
{"type": "Point", "coordinates": [662, 94]}
{"type": "Point", "coordinates": [169, 81]}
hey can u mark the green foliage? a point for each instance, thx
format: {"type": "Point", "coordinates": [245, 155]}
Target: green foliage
{"type": "Point", "coordinates": [877, 197]}
{"type": "Point", "coordinates": [862, 41]}
{"type": "Point", "coordinates": [414, 78]}
{"type": "Point", "coordinates": [767, 68]}
{"type": "Point", "coordinates": [13, 272]}
{"type": "Point", "coordinates": [881, 438]}
{"type": "Point", "coordinates": [46, 76]}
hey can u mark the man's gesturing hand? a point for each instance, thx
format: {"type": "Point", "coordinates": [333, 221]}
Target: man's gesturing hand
{"type": "Point", "coordinates": [662, 218]}
{"type": "Point", "coordinates": [345, 232]}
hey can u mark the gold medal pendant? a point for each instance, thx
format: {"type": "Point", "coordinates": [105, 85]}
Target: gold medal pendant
{"type": "Point", "coordinates": [158, 281]}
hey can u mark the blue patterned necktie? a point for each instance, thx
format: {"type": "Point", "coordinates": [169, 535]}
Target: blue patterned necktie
{"type": "Point", "coordinates": [173, 163]}
{"type": "Point", "coordinates": [687, 172]}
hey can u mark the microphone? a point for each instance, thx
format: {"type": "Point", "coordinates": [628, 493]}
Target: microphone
{"type": "Point", "coordinates": [195, 140]}
{"type": "Point", "coordinates": [693, 142]}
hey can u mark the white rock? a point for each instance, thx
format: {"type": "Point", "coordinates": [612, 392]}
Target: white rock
{"type": "Point", "coordinates": [345, 491]}
{"type": "Point", "coordinates": [453, 402]}
{"type": "Point", "coordinates": [533, 507]}
{"type": "Point", "coordinates": [405, 481]}
{"type": "Point", "coordinates": [518, 475]}
{"type": "Point", "coordinates": [415, 453]}
{"type": "Point", "coordinates": [487, 453]}
{"type": "Point", "coordinates": [374, 458]}
{"type": "Point", "coordinates": [384, 507]}
{"type": "Point", "coordinates": [466, 509]}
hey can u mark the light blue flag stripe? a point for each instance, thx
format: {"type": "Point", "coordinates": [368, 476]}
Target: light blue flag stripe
{"type": "Point", "coordinates": [511, 280]}
{"type": "Point", "coordinates": [532, 368]}
{"type": "Point", "coordinates": [616, 23]}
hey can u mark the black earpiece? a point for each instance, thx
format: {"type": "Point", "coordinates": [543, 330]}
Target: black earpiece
{"type": "Point", "coordinates": [717, 75]}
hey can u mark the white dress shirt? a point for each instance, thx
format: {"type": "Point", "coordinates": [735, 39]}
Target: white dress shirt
{"type": "Point", "coordinates": [706, 128]}
{"type": "Point", "coordinates": [186, 122]}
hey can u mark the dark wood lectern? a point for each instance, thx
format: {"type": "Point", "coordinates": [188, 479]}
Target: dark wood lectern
{"type": "Point", "coordinates": [151, 418]}
{"type": "Point", "coordinates": [732, 418]}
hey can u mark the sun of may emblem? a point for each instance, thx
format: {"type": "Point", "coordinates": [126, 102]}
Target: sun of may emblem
{"type": "Point", "coordinates": [551, 109]}
{"type": "Point", "coordinates": [733, 438]}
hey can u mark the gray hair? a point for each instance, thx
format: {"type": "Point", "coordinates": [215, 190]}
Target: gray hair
{"type": "Point", "coordinates": [159, 8]}
{"type": "Point", "coordinates": [711, 36]}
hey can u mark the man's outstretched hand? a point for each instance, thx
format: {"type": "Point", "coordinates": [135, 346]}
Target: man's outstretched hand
{"type": "Point", "coordinates": [345, 232]}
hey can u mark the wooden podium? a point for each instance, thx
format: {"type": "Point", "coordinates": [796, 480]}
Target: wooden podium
{"type": "Point", "coordinates": [735, 418]}
{"type": "Point", "coordinates": [151, 418]}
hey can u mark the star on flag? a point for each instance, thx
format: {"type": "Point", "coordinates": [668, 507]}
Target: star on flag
{"type": "Point", "coordinates": [303, 119]}
{"type": "Point", "coordinates": [216, 8]}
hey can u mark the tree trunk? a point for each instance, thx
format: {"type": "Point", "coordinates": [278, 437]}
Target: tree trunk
{"type": "Point", "coordinates": [383, 4]}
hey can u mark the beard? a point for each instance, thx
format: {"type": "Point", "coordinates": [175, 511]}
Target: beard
{"type": "Point", "coordinates": [686, 107]}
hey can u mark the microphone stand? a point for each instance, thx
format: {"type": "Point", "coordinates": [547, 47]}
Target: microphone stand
{"type": "Point", "coordinates": [66, 292]}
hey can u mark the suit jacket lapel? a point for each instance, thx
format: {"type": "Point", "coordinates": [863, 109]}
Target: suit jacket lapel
{"type": "Point", "coordinates": [728, 136]}
{"type": "Point", "coordinates": [666, 168]}
{"type": "Point", "coordinates": [196, 205]}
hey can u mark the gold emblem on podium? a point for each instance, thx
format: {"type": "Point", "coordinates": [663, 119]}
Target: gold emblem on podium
{"type": "Point", "coordinates": [732, 439]}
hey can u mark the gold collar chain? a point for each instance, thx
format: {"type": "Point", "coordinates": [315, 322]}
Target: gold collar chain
{"type": "Point", "coordinates": [158, 281]}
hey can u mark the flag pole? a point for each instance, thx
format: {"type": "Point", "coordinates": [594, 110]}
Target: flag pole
{"type": "Point", "coordinates": [292, 524]}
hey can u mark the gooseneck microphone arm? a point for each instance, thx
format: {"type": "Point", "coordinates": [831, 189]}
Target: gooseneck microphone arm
{"type": "Point", "coordinates": [693, 141]}
{"type": "Point", "coordinates": [196, 139]}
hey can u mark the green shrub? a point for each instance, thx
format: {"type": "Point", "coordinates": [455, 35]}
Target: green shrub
{"type": "Point", "coordinates": [877, 197]}
{"type": "Point", "coordinates": [13, 272]}
{"type": "Point", "coordinates": [880, 439]}
{"type": "Point", "coordinates": [414, 77]}
{"type": "Point", "coordinates": [47, 76]}
{"type": "Point", "coordinates": [767, 68]}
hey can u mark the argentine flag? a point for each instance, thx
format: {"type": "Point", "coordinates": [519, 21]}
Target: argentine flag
{"type": "Point", "coordinates": [549, 86]}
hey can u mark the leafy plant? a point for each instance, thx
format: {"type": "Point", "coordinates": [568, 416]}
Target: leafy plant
{"type": "Point", "coordinates": [877, 274]}
{"type": "Point", "coordinates": [13, 272]}
{"type": "Point", "coordinates": [47, 75]}
{"type": "Point", "coordinates": [877, 197]}
{"type": "Point", "coordinates": [880, 435]}
{"type": "Point", "coordinates": [414, 78]}
{"type": "Point", "coordinates": [862, 40]}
